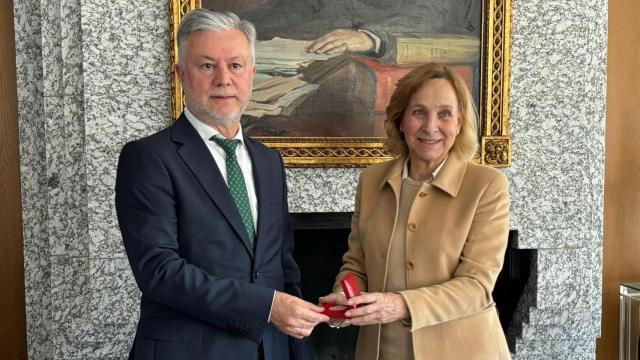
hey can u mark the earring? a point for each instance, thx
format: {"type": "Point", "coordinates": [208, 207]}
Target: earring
{"type": "Point", "coordinates": [401, 130]}
{"type": "Point", "coordinates": [458, 132]}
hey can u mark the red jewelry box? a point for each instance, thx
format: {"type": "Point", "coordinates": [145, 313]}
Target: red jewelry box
{"type": "Point", "coordinates": [351, 288]}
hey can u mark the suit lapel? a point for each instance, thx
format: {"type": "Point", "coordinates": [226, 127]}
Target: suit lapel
{"type": "Point", "coordinates": [260, 178]}
{"type": "Point", "coordinates": [195, 154]}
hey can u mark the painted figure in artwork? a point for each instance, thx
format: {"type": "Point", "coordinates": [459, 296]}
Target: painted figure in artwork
{"type": "Point", "coordinates": [348, 54]}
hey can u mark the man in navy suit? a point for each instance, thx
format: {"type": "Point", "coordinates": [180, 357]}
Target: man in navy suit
{"type": "Point", "coordinates": [205, 224]}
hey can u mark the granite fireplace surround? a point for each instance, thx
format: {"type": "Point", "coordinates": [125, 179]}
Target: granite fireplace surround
{"type": "Point", "coordinates": [95, 74]}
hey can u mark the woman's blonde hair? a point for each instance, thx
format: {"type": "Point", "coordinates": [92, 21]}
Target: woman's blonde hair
{"type": "Point", "coordinates": [466, 143]}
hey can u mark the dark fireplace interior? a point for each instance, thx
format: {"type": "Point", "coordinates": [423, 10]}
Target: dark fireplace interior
{"type": "Point", "coordinates": [320, 242]}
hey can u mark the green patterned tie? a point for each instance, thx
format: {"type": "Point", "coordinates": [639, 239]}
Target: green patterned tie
{"type": "Point", "coordinates": [236, 183]}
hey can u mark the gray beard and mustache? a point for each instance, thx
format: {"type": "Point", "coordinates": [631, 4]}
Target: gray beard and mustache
{"type": "Point", "coordinates": [215, 117]}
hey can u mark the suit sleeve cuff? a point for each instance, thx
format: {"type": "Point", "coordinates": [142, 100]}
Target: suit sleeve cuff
{"type": "Point", "coordinates": [271, 308]}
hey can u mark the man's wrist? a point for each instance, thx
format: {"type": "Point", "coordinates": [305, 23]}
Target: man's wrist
{"type": "Point", "coordinates": [271, 308]}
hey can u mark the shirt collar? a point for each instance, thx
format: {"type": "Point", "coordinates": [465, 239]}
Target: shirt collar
{"type": "Point", "coordinates": [205, 131]}
{"type": "Point", "coordinates": [405, 169]}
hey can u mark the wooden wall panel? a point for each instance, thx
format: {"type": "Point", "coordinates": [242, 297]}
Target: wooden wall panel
{"type": "Point", "coordinates": [12, 311]}
{"type": "Point", "coordinates": [622, 167]}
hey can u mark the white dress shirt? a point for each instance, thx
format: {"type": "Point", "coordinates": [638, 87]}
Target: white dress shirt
{"type": "Point", "coordinates": [244, 160]}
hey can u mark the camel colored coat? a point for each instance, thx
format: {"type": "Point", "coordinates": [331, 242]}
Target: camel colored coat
{"type": "Point", "coordinates": [456, 239]}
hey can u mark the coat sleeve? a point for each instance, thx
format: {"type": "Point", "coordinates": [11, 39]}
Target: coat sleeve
{"type": "Point", "coordinates": [290, 267]}
{"type": "Point", "coordinates": [353, 259]}
{"type": "Point", "coordinates": [298, 349]}
{"type": "Point", "coordinates": [146, 207]}
{"type": "Point", "coordinates": [469, 291]}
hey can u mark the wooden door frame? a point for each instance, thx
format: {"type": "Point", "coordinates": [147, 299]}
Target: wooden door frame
{"type": "Point", "coordinates": [621, 244]}
{"type": "Point", "coordinates": [12, 302]}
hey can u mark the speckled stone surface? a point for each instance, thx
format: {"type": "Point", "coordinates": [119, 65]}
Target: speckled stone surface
{"type": "Point", "coordinates": [93, 75]}
{"type": "Point", "coordinates": [37, 261]}
{"type": "Point", "coordinates": [126, 47]}
{"type": "Point", "coordinates": [78, 105]}
{"type": "Point", "coordinates": [62, 48]}
{"type": "Point", "coordinates": [115, 120]}
{"type": "Point", "coordinates": [66, 188]}
{"type": "Point", "coordinates": [113, 302]}
{"type": "Point", "coordinates": [322, 190]}
{"type": "Point", "coordinates": [557, 124]}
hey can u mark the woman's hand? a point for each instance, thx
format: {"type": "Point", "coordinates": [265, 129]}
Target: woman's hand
{"type": "Point", "coordinates": [376, 308]}
{"type": "Point", "coordinates": [341, 304]}
{"type": "Point", "coordinates": [341, 40]}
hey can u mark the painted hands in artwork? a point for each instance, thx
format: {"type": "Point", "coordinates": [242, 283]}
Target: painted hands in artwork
{"type": "Point", "coordinates": [340, 41]}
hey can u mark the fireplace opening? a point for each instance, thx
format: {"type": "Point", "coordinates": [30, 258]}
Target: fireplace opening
{"type": "Point", "coordinates": [320, 242]}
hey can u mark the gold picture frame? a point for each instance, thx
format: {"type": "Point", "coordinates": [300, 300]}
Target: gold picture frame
{"type": "Point", "coordinates": [495, 141]}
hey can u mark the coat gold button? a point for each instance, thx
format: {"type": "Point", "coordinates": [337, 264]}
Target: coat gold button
{"type": "Point", "coordinates": [409, 265]}
{"type": "Point", "coordinates": [412, 227]}
{"type": "Point", "coordinates": [423, 194]}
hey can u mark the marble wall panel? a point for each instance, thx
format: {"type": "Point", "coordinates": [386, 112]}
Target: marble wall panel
{"type": "Point", "coordinates": [114, 294]}
{"type": "Point", "coordinates": [557, 134]}
{"type": "Point", "coordinates": [557, 349]}
{"type": "Point", "coordinates": [27, 26]}
{"type": "Point", "coordinates": [111, 122]}
{"type": "Point", "coordinates": [131, 55]}
{"type": "Point", "coordinates": [70, 302]}
{"type": "Point", "coordinates": [61, 48]}
{"type": "Point", "coordinates": [66, 190]}
{"type": "Point", "coordinates": [322, 190]}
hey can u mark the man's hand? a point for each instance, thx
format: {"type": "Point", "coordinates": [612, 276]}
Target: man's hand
{"type": "Point", "coordinates": [376, 308]}
{"type": "Point", "coordinates": [342, 40]}
{"type": "Point", "coordinates": [295, 317]}
{"type": "Point", "coordinates": [340, 301]}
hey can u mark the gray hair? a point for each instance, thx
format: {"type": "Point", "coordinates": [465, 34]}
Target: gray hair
{"type": "Point", "coordinates": [207, 20]}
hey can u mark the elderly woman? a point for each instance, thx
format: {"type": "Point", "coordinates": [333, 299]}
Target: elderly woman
{"type": "Point", "coordinates": [429, 232]}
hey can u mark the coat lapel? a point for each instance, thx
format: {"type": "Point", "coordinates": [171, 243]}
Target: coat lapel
{"type": "Point", "coordinates": [195, 154]}
{"type": "Point", "coordinates": [393, 176]}
{"type": "Point", "coordinates": [450, 177]}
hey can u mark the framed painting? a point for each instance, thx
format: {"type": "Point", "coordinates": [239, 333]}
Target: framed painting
{"type": "Point", "coordinates": [326, 70]}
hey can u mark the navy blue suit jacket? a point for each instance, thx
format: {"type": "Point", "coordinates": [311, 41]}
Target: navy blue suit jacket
{"type": "Point", "coordinates": [206, 293]}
